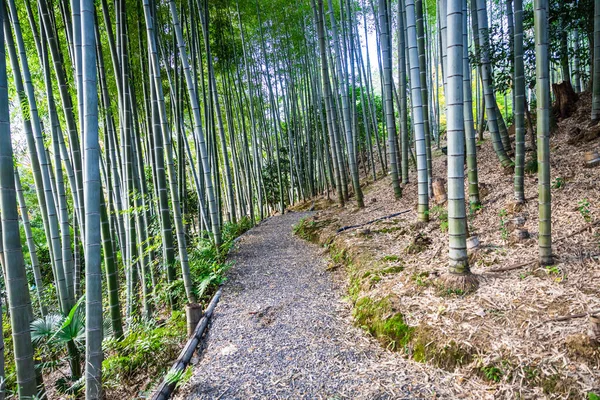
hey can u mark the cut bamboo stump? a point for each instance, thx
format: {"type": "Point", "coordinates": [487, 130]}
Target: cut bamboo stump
{"type": "Point", "coordinates": [163, 392]}
{"type": "Point", "coordinates": [193, 313]}
{"type": "Point", "coordinates": [566, 98]}
{"type": "Point", "coordinates": [472, 242]}
{"type": "Point", "coordinates": [592, 159]}
{"type": "Point", "coordinates": [439, 190]}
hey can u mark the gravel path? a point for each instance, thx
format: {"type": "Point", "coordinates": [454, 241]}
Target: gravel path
{"type": "Point", "coordinates": [282, 331]}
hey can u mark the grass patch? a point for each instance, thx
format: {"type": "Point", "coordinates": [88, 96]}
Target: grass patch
{"type": "Point", "coordinates": [421, 278]}
{"type": "Point", "coordinates": [308, 229]}
{"type": "Point", "coordinates": [392, 270]}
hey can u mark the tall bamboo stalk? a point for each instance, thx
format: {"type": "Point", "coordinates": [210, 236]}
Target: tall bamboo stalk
{"type": "Point", "coordinates": [542, 69]}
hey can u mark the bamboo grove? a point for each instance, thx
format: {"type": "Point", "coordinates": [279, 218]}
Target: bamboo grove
{"type": "Point", "coordinates": [134, 131]}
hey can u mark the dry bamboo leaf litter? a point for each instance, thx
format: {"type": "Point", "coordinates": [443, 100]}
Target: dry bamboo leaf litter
{"type": "Point", "coordinates": [506, 319]}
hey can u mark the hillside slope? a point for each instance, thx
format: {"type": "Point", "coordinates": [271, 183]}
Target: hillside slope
{"type": "Point", "coordinates": [503, 336]}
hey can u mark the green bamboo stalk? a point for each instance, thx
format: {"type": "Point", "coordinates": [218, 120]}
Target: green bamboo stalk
{"type": "Point", "coordinates": [542, 69]}
{"type": "Point", "coordinates": [15, 277]}
{"type": "Point", "coordinates": [459, 276]}
{"type": "Point", "coordinates": [166, 134]}
{"type": "Point", "coordinates": [319, 22]}
{"type": "Point", "coordinates": [402, 88]}
{"type": "Point", "coordinates": [343, 89]}
{"type": "Point", "coordinates": [596, 69]}
{"type": "Point", "coordinates": [35, 264]}
{"type": "Point", "coordinates": [386, 55]}
{"type": "Point", "coordinates": [470, 139]}
{"type": "Point", "coordinates": [419, 132]}
{"type": "Point", "coordinates": [519, 104]}
{"type": "Point", "coordinates": [488, 88]}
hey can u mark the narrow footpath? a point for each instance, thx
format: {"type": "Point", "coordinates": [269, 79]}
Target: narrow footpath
{"type": "Point", "coordinates": [282, 330]}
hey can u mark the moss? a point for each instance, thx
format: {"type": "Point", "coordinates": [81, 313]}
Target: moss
{"type": "Point", "coordinates": [354, 288]}
{"type": "Point", "coordinates": [452, 292]}
{"type": "Point", "coordinates": [425, 348]}
{"type": "Point", "coordinates": [555, 384]}
{"type": "Point", "coordinates": [380, 320]}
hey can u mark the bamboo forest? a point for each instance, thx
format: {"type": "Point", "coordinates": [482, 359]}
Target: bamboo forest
{"type": "Point", "coordinates": [311, 199]}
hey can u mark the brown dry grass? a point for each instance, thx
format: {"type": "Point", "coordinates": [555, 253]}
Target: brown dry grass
{"type": "Point", "coordinates": [504, 323]}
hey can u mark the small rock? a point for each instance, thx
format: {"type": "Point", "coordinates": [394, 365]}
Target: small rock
{"type": "Point", "coordinates": [229, 350]}
{"type": "Point", "coordinates": [521, 234]}
{"type": "Point", "coordinates": [363, 232]}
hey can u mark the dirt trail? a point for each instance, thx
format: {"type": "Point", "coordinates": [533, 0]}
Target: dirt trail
{"type": "Point", "coordinates": [282, 331]}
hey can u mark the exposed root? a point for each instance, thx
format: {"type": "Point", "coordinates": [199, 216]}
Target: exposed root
{"type": "Point", "coordinates": [464, 283]}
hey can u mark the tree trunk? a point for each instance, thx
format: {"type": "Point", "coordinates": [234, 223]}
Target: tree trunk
{"type": "Point", "coordinates": [488, 85]}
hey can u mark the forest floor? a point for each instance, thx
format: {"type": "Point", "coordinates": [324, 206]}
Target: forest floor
{"type": "Point", "coordinates": [282, 330]}
{"type": "Point", "coordinates": [507, 339]}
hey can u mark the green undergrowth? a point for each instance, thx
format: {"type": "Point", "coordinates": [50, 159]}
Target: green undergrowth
{"type": "Point", "coordinates": [138, 362]}
{"type": "Point", "coordinates": [308, 229]}
{"type": "Point", "coordinates": [147, 347]}
{"type": "Point", "coordinates": [207, 266]}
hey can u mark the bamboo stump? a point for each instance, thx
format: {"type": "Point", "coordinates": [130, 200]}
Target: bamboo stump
{"type": "Point", "coordinates": [193, 313]}
{"type": "Point", "coordinates": [566, 99]}
{"type": "Point", "coordinates": [592, 159]}
{"type": "Point", "coordinates": [439, 190]}
{"type": "Point", "coordinates": [473, 242]}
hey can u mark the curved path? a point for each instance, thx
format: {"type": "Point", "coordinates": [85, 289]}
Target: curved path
{"type": "Point", "coordinates": [282, 331]}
